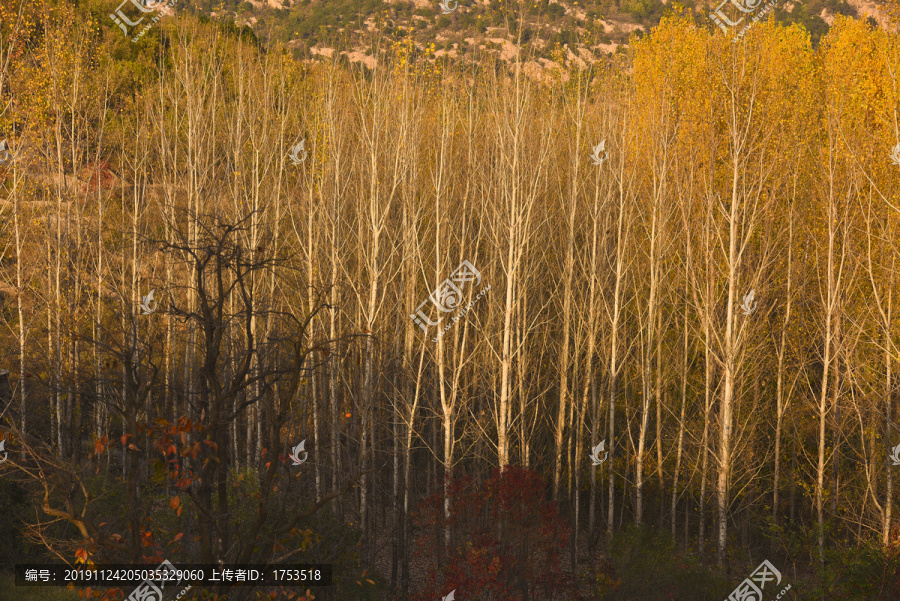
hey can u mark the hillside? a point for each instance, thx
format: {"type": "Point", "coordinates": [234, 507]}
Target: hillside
{"type": "Point", "coordinates": [568, 30]}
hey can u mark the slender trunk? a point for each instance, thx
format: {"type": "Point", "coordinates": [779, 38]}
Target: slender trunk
{"type": "Point", "coordinates": [505, 360]}
{"type": "Point", "coordinates": [407, 485]}
{"type": "Point", "coordinates": [520, 387]}
{"type": "Point", "coordinates": [311, 281]}
{"type": "Point", "coordinates": [21, 314]}
{"type": "Point", "coordinates": [395, 488]}
{"type": "Point", "coordinates": [314, 399]}
{"type": "Point", "coordinates": [589, 356]}
{"type": "Point", "coordinates": [576, 467]}
{"type": "Point", "coordinates": [729, 369]}
{"type": "Point", "coordinates": [333, 365]}
{"type": "Point", "coordinates": [595, 419]}
{"type": "Point", "coordinates": [642, 438]}
{"type": "Point", "coordinates": [649, 336]}
{"type": "Point", "coordinates": [826, 369]}
{"type": "Point", "coordinates": [836, 403]}
{"type": "Point", "coordinates": [888, 393]}
{"type": "Point", "coordinates": [568, 270]}
{"type": "Point", "coordinates": [660, 401]}
{"type": "Point", "coordinates": [704, 443]}
{"type": "Point", "coordinates": [779, 380]}
{"type": "Point", "coordinates": [614, 353]}
{"type": "Point", "coordinates": [684, 379]}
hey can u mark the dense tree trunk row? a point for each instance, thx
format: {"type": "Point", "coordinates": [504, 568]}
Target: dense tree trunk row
{"type": "Point", "coordinates": [615, 301]}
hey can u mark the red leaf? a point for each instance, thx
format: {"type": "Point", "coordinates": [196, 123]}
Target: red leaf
{"type": "Point", "coordinates": [179, 536]}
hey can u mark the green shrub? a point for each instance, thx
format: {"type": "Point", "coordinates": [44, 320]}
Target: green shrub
{"type": "Point", "coordinates": [642, 9]}
{"type": "Point", "coordinates": [650, 567]}
{"type": "Point", "coordinates": [869, 571]}
{"type": "Point", "coordinates": [556, 11]}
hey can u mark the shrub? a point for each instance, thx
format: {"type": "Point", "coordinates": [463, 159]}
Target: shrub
{"type": "Point", "coordinates": [870, 571]}
{"type": "Point", "coordinates": [649, 567]}
{"type": "Point", "coordinates": [506, 541]}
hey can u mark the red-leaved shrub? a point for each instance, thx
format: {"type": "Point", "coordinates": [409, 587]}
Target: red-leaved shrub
{"type": "Point", "coordinates": [506, 541]}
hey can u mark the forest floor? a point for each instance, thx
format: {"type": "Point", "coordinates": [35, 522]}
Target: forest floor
{"type": "Point", "coordinates": [10, 592]}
